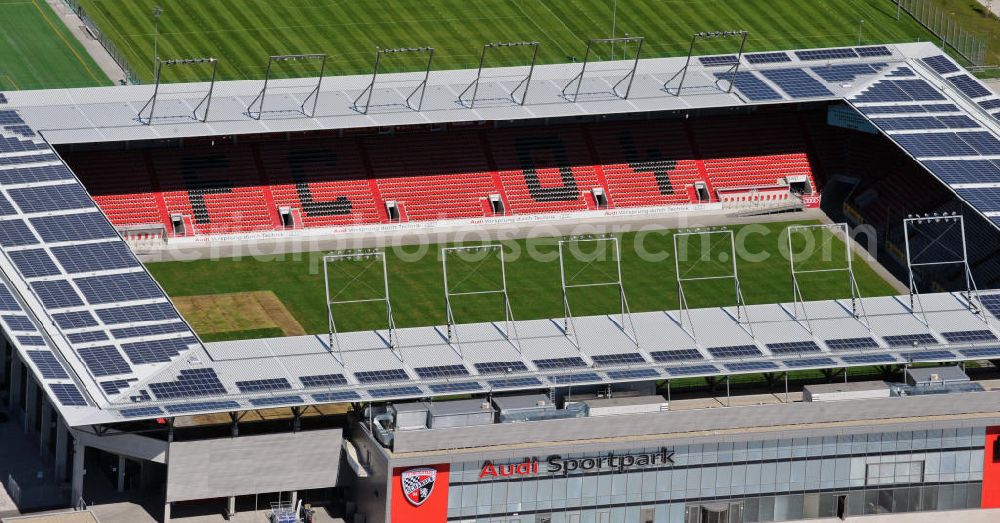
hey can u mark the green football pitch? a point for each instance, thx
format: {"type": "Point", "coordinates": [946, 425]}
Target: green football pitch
{"type": "Point", "coordinates": [241, 34]}
{"type": "Point", "coordinates": [37, 51]}
{"type": "Point", "coordinates": [533, 277]}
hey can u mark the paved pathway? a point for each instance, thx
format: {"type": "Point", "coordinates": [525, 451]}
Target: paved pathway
{"type": "Point", "coordinates": [93, 47]}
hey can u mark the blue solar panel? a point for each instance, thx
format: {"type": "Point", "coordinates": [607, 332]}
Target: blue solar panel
{"type": "Point", "coordinates": [380, 376]}
{"type": "Point", "coordinates": [711, 61]}
{"type": "Point", "coordinates": [878, 50]}
{"type": "Point", "coordinates": [630, 374]}
{"type": "Point", "coordinates": [323, 380]}
{"type": "Point", "coordinates": [458, 386]}
{"type": "Point", "coordinates": [941, 64]}
{"type": "Point", "coordinates": [581, 377]}
{"type": "Point", "coordinates": [940, 108]}
{"type": "Point", "coordinates": [337, 396]}
{"type": "Point", "coordinates": [631, 358]}
{"type": "Point", "coordinates": [909, 123]}
{"type": "Point", "coordinates": [902, 71]}
{"type": "Point", "coordinates": [793, 347]}
{"type": "Point", "coordinates": [441, 371]}
{"type": "Point", "coordinates": [753, 88]}
{"type": "Point", "coordinates": [676, 355]}
{"type": "Point", "coordinates": [993, 103]}
{"type": "Point", "coordinates": [156, 351]}
{"type": "Point", "coordinates": [958, 121]}
{"type": "Point", "coordinates": [31, 341]}
{"type": "Point", "coordinates": [981, 352]}
{"type": "Point", "coordinates": [693, 369]}
{"type": "Point", "coordinates": [560, 363]}
{"type": "Point", "coordinates": [112, 387]}
{"type": "Point", "coordinates": [846, 72]}
{"type": "Point", "coordinates": [7, 301]}
{"type": "Point", "coordinates": [104, 361]}
{"type": "Point", "coordinates": [929, 355]}
{"type": "Point", "coordinates": [141, 412]}
{"type": "Point", "coordinates": [48, 365]}
{"type": "Point", "coordinates": [509, 383]}
{"type": "Point", "coordinates": [115, 288]}
{"type": "Point", "coordinates": [190, 383]}
{"type": "Point", "coordinates": [86, 337]}
{"type": "Point", "coordinates": [869, 358]}
{"type": "Point", "coordinates": [992, 303]}
{"type": "Point", "coordinates": [73, 227]}
{"type": "Point", "coordinates": [735, 351]}
{"type": "Point", "coordinates": [971, 336]}
{"type": "Point", "coordinates": [892, 109]}
{"type": "Point", "coordinates": [395, 392]}
{"type": "Point", "coordinates": [745, 366]}
{"type": "Point", "coordinates": [68, 395]}
{"type": "Point", "coordinates": [826, 54]}
{"type": "Point", "coordinates": [935, 144]}
{"type": "Point", "coordinates": [984, 199]}
{"type": "Point", "coordinates": [136, 313]}
{"type": "Point", "coordinates": [277, 400]}
{"type": "Point", "coordinates": [184, 408]}
{"type": "Point", "coordinates": [910, 340]}
{"type": "Point", "coordinates": [56, 294]}
{"type": "Point", "coordinates": [969, 86]}
{"type": "Point", "coordinates": [45, 173]}
{"type": "Point", "coordinates": [34, 263]}
{"type": "Point", "coordinates": [15, 233]}
{"type": "Point", "coordinates": [91, 257]}
{"type": "Point", "coordinates": [797, 83]}
{"type": "Point", "coordinates": [19, 323]}
{"type": "Point", "coordinates": [48, 198]}
{"type": "Point", "coordinates": [982, 141]}
{"type": "Point", "coordinates": [809, 362]}
{"type": "Point", "coordinates": [500, 367]}
{"type": "Point", "coordinates": [767, 58]}
{"type": "Point", "coordinates": [150, 330]}
{"type": "Point", "coordinates": [263, 385]}
{"type": "Point", "coordinates": [6, 209]}
{"type": "Point", "coordinates": [899, 91]}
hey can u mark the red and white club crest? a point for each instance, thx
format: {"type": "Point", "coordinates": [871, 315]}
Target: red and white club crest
{"type": "Point", "coordinates": [418, 484]}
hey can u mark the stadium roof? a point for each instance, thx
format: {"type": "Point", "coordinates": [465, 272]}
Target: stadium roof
{"type": "Point", "coordinates": [108, 345]}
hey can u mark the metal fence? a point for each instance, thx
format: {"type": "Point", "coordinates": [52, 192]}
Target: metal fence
{"type": "Point", "coordinates": [972, 47]}
{"type": "Point", "coordinates": [109, 46]}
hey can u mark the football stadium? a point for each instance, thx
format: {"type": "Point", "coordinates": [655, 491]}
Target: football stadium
{"type": "Point", "coordinates": [730, 286]}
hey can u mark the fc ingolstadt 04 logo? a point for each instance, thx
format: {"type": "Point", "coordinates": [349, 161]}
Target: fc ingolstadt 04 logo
{"type": "Point", "coordinates": [418, 484]}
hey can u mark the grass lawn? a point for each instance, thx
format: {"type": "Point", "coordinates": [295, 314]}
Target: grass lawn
{"type": "Point", "coordinates": [37, 51]}
{"type": "Point", "coordinates": [243, 33]}
{"type": "Point", "coordinates": [534, 281]}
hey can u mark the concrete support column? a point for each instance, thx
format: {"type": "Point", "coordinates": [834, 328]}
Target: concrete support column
{"type": "Point", "coordinates": [32, 393]}
{"type": "Point", "coordinates": [295, 498]}
{"type": "Point", "coordinates": [62, 450]}
{"type": "Point", "coordinates": [166, 512]}
{"type": "Point", "coordinates": [121, 474]}
{"type": "Point", "coordinates": [231, 509]}
{"type": "Point", "coordinates": [79, 455]}
{"type": "Point", "coordinates": [45, 434]}
{"type": "Point", "coordinates": [14, 398]}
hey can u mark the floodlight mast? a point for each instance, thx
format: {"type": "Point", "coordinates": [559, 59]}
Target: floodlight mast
{"type": "Point", "coordinates": [857, 309]}
{"type": "Point", "coordinates": [970, 291]}
{"type": "Point", "coordinates": [332, 298]}
{"type": "Point", "coordinates": [510, 326]}
{"type": "Point", "coordinates": [525, 82]}
{"type": "Point", "coordinates": [578, 79]}
{"type": "Point", "coordinates": [708, 35]}
{"type": "Point", "coordinates": [367, 92]}
{"type": "Point", "coordinates": [742, 314]}
{"type": "Point", "coordinates": [206, 101]}
{"type": "Point", "coordinates": [625, 324]}
{"type": "Point", "coordinates": [314, 94]}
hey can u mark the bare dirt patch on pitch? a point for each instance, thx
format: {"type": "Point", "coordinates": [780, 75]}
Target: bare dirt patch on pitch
{"type": "Point", "coordinates": [238, 311]}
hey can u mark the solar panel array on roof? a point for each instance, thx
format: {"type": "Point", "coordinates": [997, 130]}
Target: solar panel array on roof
{"type": "Point", "coordinates": [186, 408]}
{"type": "Point", "coordinates": [692, 370]}
{"type": "Point", "coordinates": [87, 337]}
{"type": "Point", "coordinates": [48, 365]}
{"type": "Point", "coordinates": [137, 313]}
{"type": "Point", "coordinates": [676, 355]}
{"type": "Point", "coordinates": [633, 374]}
{"type": "Point", "coordinates": [560, 363]}
{"type": "Point", "coordinates": [753, 88]}
{"type": "Point", "coordinates": [458, 386]}
{"type": "Point", "coordinates": [981, 352]}
{"type": "Point", "coordinates": [809, 362]}
{"type": "Point", "coordinates": [899, 91]}
{"type": "Point", "coordinates": [926, 145]}
{"type": "Point", "coordinates": [116, 288]}
{"type": "Point", "coordinates": [509, 383]}
{"type": "Point", "coordinates": [846, 72]}
{"type": "Point", "coordinates": [150, 330]}
{"type": "Point", "coordinates": [19, 323]}
{"type": "Point", "coordinates": [965, 171]}
{"type": "Point", "coordinates": [985, 199]}
{"type": "Point", "coordinates": [34, 263]}
{"type": "Point", "coordinates": [49, 198]}
{"type": "Point", "coordinates": [877, 50]}
{"type": "Point", "coordinates": [156, 351]}
{"type": "Point", "coordinates": [941, 64]}
{"type": "Point", "coordinates": [68, 394]}
{"type": "Point", "coordinates": [15, 233]}
{"type": "Point", "coordinates": [190, 383]}
{"type": "Point", "coordinates": [56, 294]}
{"type": "Point", "coordinates": [630, 358]}
{"type": "Point", "coordinates": [73, 227]}
{"type": "Point", "coordinates": [734, 351]}
{"type": "Point", "coordinates": [793, 347]}
{"type": "Point", "coordinates": [869, 358]}
{"type": "Point", "coordinates": [263, 385]}
{"type": "Point", "coordinates": [441, 371]}
{"type": "Point", "coordinates": [44, 173]}
{"type": "Point", "coordinates": [92, 257]}
{"type": "Point", "coordinates": [713, 61]}
{"type": "Point", "coordinates": [990, 104]}
{"type": "Point", "coordinates": [969, 85]}
{"type": "Point", "coordinates": [346, 395]}
{"type": "Point", "coordinates": [767, 58]}
{"type": "Point", "coordinates": [276, 400]}
{"type": "Point", "coordinates": [582, 377]}
{"type": "Point", "coordinates": [104, 361]}
{"type": "Point", "coordinates": [395, 392]}
{"type": "Point", "coordinates": [969, 336]}
{"type": "Point", "coordinates": [826, 54]}
{"type": "Point", "coordinates": [500, 367]}
{"type": "Point", "coordinates": [911, 123]}
{"type": "Point", "coordinates": [796, 83]}
{"type": "Point", "coordinates": [380, 376]}
{"type": "Point", "coordinates": [930, 355]}
{"type": "Point", "coordinates": [323, 380]}
{"type": "Point", "coordinates": [747, 366]}
{"type": "Point", "coordinates": [910, 340]}
{"type": "Point", "coordinates": [139, 412]}
{"type": "Point", "coordinates": [112, 387]}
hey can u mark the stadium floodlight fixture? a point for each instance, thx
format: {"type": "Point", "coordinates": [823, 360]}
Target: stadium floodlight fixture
{"type": "Point", "coordinates": [313, 95]}
{"type": "Point", "coordinates": [454, 290]}
{"type": "Point", "coordinates": [731, 73]}
{"type": "Point", "coordinates": [368, 91]}
{"type": "Point", "coordinates": [524, 83]}
{"type": "Point", "coordinates": [578, 79]}
{"type": "Point", "coordinates": [206, 101]}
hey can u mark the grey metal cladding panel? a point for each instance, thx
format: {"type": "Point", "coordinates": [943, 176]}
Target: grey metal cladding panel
{"type": "Point", "coordinates": [250, 464]}
{"type": "Point", "coordinates": [674, 422]}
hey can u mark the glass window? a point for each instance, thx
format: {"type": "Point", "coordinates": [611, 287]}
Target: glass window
{"type": "Point", "coordinates": [975, 492]}
{"type": "Point", "coordinates": [755, 450]}
{"type": "Point", "coordinates": [919, 440]}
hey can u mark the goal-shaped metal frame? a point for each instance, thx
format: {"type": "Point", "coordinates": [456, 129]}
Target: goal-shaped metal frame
{"type": "Point", "coordinates": [258, 101]}
{"type": "Point", "coordinates": [971, 289]}
{"type": "Point", "coordinates": [742, 315]}
{"type": "Point", "coordinates": [206, 101]}
{"type": "Point", "coordinates": [421, 87]}
{"type": "Point", "coordinates": [578, 79]}
{"type": "Point", "coordinates": [510, 326]}
{"type": "Point", "coordinates": [525, 82]}
{"type": "Point", "coordinates": [710, 35]}
{"type": "Point", "coordinates": [625, 323]}
{"type": "Point", "coordinates": [842, 231]}
{"type": "Point", "coordinates": [375, 257]}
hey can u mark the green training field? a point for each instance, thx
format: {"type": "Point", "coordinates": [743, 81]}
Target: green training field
{"type": "Point", "coordinates": [243, 33]}
{"type": "Point", "coordinates": [37, 51]}
{"type": "Point", "coordinates": [533, 278]}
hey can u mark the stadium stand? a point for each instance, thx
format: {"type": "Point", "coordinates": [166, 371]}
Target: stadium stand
{"type": "Point", "coordinates": [326, 180]}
